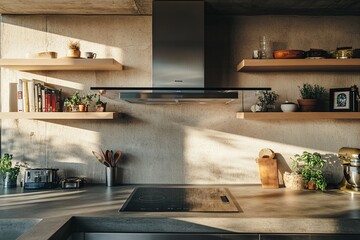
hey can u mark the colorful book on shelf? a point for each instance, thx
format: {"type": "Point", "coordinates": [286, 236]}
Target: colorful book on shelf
{"type": "Point", "coordinates": [31, 92]}
{"type": "Point", "coordinates": [20, 96]}
{"type": "Point", "coordinates": [25, 95]}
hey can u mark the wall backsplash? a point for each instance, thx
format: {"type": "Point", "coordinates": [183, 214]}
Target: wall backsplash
{"type": "Point", "coordinates": [181, 144]}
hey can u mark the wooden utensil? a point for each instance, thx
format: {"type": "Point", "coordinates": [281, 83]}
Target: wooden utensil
{"type": "Point", "coordinates": [117, 157]}
{"type": "Point", "coordinates": [100, 158]}
{"type": "Point", "coordinates": [268, 169]}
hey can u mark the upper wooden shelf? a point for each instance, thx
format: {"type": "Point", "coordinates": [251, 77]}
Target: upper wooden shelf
{"type": "Point", "coordinates": [59, 115]}
{"type": "Point", "coordinates": [253, 65]}
{"type": "Point", "coordinates": [54, 64]}
{"type": "Point", "coordinates": [297, 115]}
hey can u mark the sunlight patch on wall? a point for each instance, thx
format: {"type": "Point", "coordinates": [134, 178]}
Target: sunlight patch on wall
{"type": "Point", "coordinates": [213, 156]}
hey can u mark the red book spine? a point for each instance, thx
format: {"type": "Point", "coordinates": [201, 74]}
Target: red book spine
{"type": "Point", "coordinates": [53, 101]}
{"type": "Point", "coordinates": [47, 102]}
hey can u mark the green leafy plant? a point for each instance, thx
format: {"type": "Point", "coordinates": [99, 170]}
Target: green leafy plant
{"type": "Point", "coordinates": [6, 167]}
{"type": "Point", "coordinates": [310, 166]}
{"type": "Point", "coordinates": [75, 99]}
{"type": "Point", "coordinates": [267, 98]}
{"type": "Point", "coordinates": [87, 99]}
{"type": "Point", "coordinates": [308, 91]}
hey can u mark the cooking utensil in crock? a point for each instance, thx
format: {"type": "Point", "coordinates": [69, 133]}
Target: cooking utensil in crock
{"type": "Point", "coordinates": [100, 158]}
{"type": "Point", "coordinates": [117, 157]}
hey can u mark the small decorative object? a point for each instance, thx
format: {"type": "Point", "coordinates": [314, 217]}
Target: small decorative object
{"type": "Point", "coordinates": [9, 172]}
{"type": "Point", "coordinates": [267, 100]}
{"type": "Point", "coordinates": [100, 105]}
{"type": "Point", "coordinates": [73, 49]}
{"type": "Point", "coordinates": [294, 181]}
{"type": "Point", "coordinates": [310, 95]}
{"type": "Point", "coordinates": [265, 50]}
{"type": "Point", "coordinates": [288, 107]}
{"type": "Point", "coordinates": [344, 99]}
{"type": "Point", "coordinates": [310, 166]}
{"type": "Point", "coordinates": [46, 55]}
{"type": "Point", "coordinates": [90, 55]}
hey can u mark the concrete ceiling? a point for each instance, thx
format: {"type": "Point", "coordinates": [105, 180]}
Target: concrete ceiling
{"type": "Point", "coordinates": [144, 7]}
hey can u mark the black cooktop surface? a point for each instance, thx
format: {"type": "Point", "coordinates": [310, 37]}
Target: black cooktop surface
{"type": "Point", "coordinates": [180, 199]}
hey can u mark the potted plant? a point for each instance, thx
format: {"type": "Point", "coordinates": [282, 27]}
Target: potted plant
{"type": "Point", "coordinates": [9, 172]}
{"type": "Point", "coordinates": [100, 105]}
{"type": "Point", "coordinates": [310, 166]}
{"type": "Point", "coordinates": [267, 100]}
{"type": "Point", "coordinates": [310, 95]}
{"type": "Point", "coordinates": [73, 49]}
{"type": "Point", "coordinates": [87, 99]}
{"type": "Point", "coordinates": [74, 101]}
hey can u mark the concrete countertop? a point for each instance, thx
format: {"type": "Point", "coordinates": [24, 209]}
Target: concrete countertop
{"type": "Point", "coordinates": [263, 211]}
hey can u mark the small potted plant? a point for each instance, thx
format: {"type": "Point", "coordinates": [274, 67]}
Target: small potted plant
{"type": "Point", "coordinates": [74, 101]}
{"type": "Point", "coordinates": [9, 172]}
{"type": "Point", "coordinates": [310, 166]}
{"type": "Point", "coordinates": [73, 49]}
{"type": "Point", "coordinates": [100, 105]}
{"type": "Point", "coordinates": [267, 100]}
{"type": "Point", "coordinates": [310, 96]}
{"type": "Point", "coordinates": [87, 99]}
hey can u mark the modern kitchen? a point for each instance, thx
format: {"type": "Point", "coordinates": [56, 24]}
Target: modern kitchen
{"type": "Point", "coordinates": [193, 126]}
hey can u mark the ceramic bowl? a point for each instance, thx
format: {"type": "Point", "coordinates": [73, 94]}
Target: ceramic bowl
{"type": "Point", "coordinates": [288, 107]}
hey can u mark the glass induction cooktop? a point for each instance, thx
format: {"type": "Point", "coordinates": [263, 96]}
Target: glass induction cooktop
{"type": "Point", "coordinates": [180, 199]}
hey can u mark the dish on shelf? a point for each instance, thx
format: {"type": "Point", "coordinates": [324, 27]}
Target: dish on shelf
{"type": "Point", "coordinates": [73, 57]}
{"type": "Point", "coordinates": [289, 54]}
{"type": "Point", "coordinates": [316, 54]}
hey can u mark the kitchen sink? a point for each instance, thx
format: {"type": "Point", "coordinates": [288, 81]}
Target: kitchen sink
{"type": "Point", "coordinates": [12, 228]}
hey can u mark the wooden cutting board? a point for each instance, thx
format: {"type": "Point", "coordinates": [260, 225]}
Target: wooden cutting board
{"type": "Point", "coordinates": [268, 171]}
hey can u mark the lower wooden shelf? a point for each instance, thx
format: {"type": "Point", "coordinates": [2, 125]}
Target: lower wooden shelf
{"type": "Point", "coordinates": [59, 115]}
{"type": "Point", "coordinates": [297, 115]}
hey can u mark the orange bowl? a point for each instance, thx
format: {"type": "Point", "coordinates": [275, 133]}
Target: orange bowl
{"type": "Point", "coordinates": [287, 54]}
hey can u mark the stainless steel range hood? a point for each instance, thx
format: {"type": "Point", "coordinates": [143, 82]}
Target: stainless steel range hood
{"type": "Point", "coordinates": [178, 59]}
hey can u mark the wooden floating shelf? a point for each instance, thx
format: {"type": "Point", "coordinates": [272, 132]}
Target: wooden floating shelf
{"type": "Point", "coordinates": [54, 64]}
{"type": "Point", "coordinates": [297, 115]}
{"type": "Point", "coordinates": [258, 65]}
{"type": "Point", "coordinates": [59, 115]}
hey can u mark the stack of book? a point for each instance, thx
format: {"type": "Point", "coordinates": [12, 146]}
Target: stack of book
{"type": "Point", "coordinates": [34, 96]}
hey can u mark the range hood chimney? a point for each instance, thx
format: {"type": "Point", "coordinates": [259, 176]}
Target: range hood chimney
{"type": "Point", "coordinates": [178, 59]}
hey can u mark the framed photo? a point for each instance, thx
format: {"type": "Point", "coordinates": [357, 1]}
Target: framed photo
{"type": "Point", "coordinates": [341, 100]}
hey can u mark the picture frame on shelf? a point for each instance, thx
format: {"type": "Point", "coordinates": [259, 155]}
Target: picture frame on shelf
{"type": "Point", "coordinates": [343, 100]}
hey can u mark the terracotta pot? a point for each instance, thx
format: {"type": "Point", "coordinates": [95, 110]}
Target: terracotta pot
{"type": "Point", "coordinates": [73, 53]}
{"type": "Point", "coordinates": [82, 108]}
{"type": "Point", "coordinates": [308, 105]}
{"type": "Point", "coordinates": [311, 185]}
{"type": "Point", "coordinates": [74, 108]}
{"type": "Point", "coordinates": [101, 107]}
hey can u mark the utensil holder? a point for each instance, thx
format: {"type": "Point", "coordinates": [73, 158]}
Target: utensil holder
{"type": "Point", "coordinates": [111, 176]}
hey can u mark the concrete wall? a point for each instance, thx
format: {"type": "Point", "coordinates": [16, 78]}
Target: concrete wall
{"type": "Point", "coordinates": [183, 144]}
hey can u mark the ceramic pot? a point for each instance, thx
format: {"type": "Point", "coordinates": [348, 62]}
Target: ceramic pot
{"type": "Point", "coordinates": [101, 107]}
{"type": "Point", "coordinates": [308, 105]}
{"type": "Point", "coordinates": [73, 53]}
{"type": "Point", "coordinates": [8, 182]}
{"type": "Point", "coordinates": [82, 108]}
{"type": "Point", "coordinates": [293, 181]}
{"type": "Point", "coordinates": [288, 107]}
{"type": "Point", "coordinates": [311, 185]}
